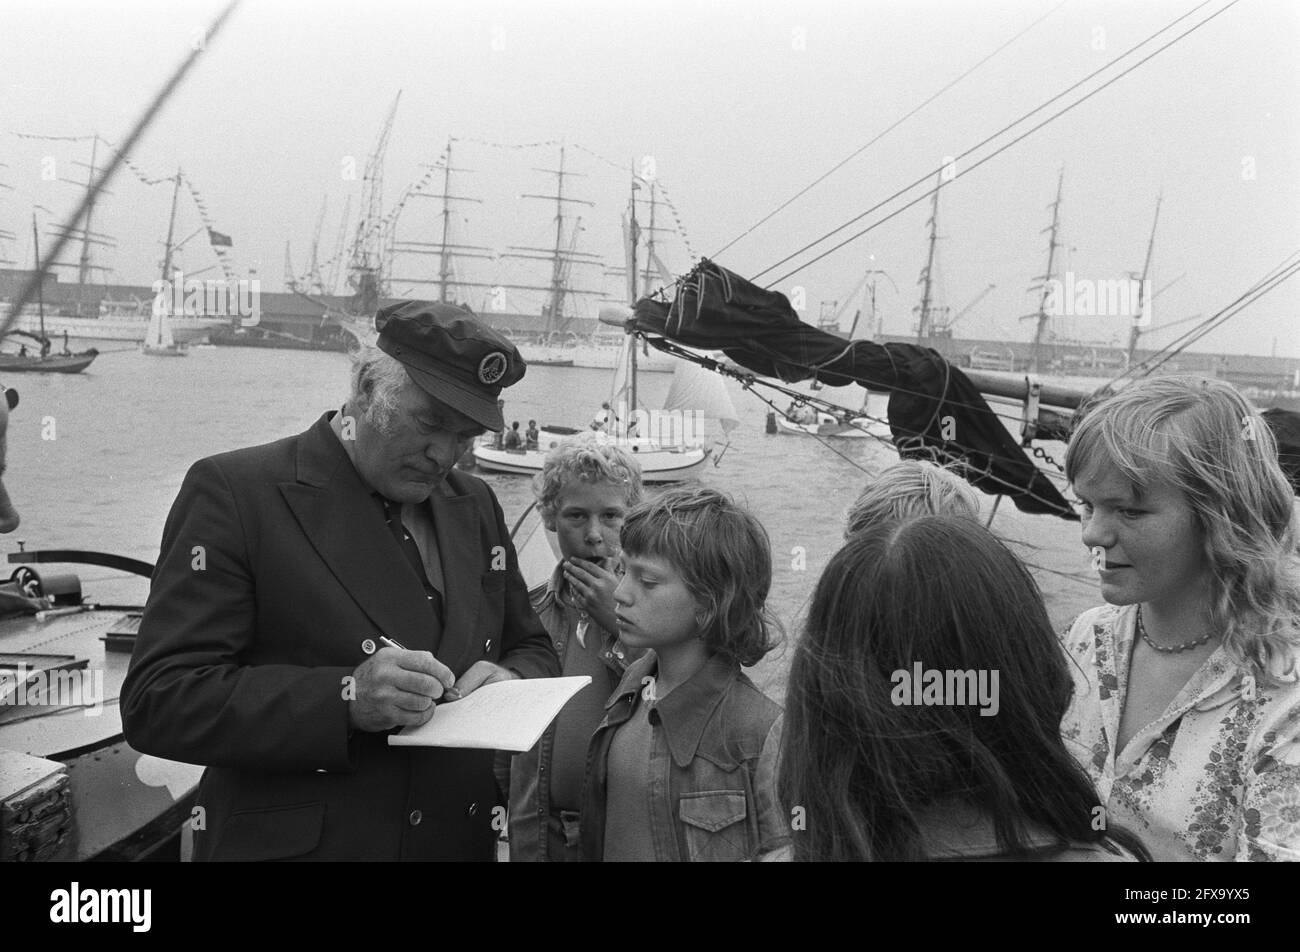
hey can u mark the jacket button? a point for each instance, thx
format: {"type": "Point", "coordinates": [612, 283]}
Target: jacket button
{"type": "Point", "coordinates": [559, 646]}
{"type": "Point", "coordinates": [473, 809]}
{"type": "Point", "coordinates": [415, 817]}
{"type": "Point", "coordinates": [368, 646]}
{"type": "Point", "coordinates": [487, 646]}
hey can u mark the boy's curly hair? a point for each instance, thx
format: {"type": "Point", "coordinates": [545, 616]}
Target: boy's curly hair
{"type": "Point", "coordinates": [586, 457]}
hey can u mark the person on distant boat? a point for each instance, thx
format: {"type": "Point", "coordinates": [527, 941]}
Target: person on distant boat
{"type": "Point", "coordinates": [532, 437]}
{"type": "Point", "coordinates": [45, 347]}
{"type": "Point", "coordinates": [801, 413]}
{"type": "Point", "coordinates": [908, 489]}
{"type": "Point", "coordinates": [22, 350]}
{"type": "Point", "coordinates": [1187, 682]}
{"type": "Point", "coordinates": [317, 592]}
{"type": "Point", "coordinates": [924, 707]}
{"type": "Point", "coordinates": [583, 493]}
{"type": "Point", "coordinates": [513, 440]}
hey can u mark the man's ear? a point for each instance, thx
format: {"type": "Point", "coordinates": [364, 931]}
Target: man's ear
{"type": "Point", "coordinates": [549, 522]}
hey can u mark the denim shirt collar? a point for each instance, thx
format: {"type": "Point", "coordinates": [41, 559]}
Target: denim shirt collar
{"type": "Point", "coordinates": [686, 711]}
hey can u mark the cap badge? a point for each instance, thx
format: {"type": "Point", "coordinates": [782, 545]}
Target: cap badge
{"type": "Point", "coordinates": [492, 368]}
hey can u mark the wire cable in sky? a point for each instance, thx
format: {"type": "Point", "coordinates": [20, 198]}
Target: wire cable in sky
{"type": "Point", "coordinates": [853, 155]}
{"type": "Point", "coordinates": [963, 171]}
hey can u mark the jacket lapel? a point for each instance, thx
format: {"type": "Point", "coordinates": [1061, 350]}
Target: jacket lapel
{"type": "Point", "coordinates": [455, 527]}
{"type": "Point", "coordinates": [345, 526]}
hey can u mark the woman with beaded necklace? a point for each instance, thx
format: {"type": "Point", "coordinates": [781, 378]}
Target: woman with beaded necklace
{"type": "Point", "coordinates": [1186, 711]}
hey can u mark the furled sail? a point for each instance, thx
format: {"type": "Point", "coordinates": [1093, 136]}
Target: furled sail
{"type": "Point", "coordinates": [934, 409]}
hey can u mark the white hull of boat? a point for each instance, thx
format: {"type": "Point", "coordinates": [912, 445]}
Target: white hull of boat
{"type": "Point", "coordinates": [657, 465]}
{"type": "Point", "coordinates": [132, 329]}
{"type": "Point", "coordinates": [593, 357]}
{"type": "Point", "coordinates": [859, 428]}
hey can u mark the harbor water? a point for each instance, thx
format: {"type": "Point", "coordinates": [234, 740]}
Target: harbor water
{"type": "Point", "coordinates": [95, 460]}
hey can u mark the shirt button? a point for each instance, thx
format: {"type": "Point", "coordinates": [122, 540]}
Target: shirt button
{"type": "Point", "coordinates": [559, 645]}
{"type": "Point", "coordinates": [487, 646]}
{"type": "Point", "coordinates": [473, 809]}
{"type": "Point", "coordinates": [415, 817]}
{"type": "Point", "coordinates": [368, 646]}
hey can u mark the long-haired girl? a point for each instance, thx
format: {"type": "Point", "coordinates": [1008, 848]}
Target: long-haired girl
{"type": "Point", "coordinates": [1187, 713]}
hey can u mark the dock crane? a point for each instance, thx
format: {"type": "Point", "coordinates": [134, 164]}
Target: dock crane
{"type": "Point", "coordinates": [366, 263]}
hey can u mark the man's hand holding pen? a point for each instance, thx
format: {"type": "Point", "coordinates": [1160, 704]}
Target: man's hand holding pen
{"type": "Point", "coordinates": [397, 687]}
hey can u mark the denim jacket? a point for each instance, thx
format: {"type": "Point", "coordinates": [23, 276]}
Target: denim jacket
{"type": "Point", "coordinates": [536, 835]}
{"type": "Point", "coordinates": [713, 758]}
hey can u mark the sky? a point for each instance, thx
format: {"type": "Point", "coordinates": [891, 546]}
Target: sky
{"type": "Point", "coordinates": [730, 107]}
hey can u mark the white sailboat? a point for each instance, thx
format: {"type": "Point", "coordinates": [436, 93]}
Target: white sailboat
{"type": "Point", "coordinates": [158, 339]}
{"type": "Point", "coordinates": [668, 444]}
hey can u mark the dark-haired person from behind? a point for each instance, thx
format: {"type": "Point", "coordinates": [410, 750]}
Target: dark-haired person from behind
{"type": "Point", "coordinates": [924, 709]}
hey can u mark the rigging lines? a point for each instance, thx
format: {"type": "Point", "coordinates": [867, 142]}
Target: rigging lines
{"type": "Point", "coordinates": [959, 172]}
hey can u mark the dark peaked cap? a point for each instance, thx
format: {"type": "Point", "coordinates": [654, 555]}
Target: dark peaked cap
{"type": "Point", "coordinates": [452, 356]}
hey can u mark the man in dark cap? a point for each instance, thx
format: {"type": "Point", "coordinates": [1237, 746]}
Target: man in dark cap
{"type": "Point", "coordinates": [317, 592]}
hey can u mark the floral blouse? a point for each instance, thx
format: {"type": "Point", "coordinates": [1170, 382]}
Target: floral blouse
{"type": "Point", "coordinates": [1215, 777]}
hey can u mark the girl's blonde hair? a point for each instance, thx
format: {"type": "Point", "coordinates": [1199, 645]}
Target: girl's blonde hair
{"type": "Point", "coordinates": [909, 489]}
{"type": "Point", "coordinates": [1204, 439]}
{"type": "Point", "coordinates": [588, 457]}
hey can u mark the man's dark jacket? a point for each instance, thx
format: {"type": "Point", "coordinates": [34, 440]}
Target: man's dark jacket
{"type": "Point", "coordinates": [277, 576]}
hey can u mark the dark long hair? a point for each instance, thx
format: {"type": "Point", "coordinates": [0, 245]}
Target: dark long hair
{"type": "Point", "coordinates": [941, 591]}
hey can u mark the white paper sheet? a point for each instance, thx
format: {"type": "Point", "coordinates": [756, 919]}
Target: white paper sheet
{"type": "Point", "coordinates": [506, 715]}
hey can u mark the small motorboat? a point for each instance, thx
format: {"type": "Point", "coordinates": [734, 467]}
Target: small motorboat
{"type": "Point", "coordinates": [827, 425]}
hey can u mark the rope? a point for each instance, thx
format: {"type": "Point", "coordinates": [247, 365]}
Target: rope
{"type": "Point", "coordinates": [749, 380]}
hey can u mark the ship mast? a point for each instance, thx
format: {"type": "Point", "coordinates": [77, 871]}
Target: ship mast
{"type": "Point", "coordinates": [171, 230]}
{"type": "Point", "coordinates": [925, 322]}
{"type": "Point", "coordinates": [1042, 315]}
{"type": "Point", "coordinates": [1136, 331]}
{"type": "Point", "coordinates": [444, 249]}
{"type": "Point", "coordinates": [631, 286]}
{"type": "Point", "coordinates": [83, 265]}
{"type": "Point", "coordinates": [561, 259]}
{"type": "Point", "coordinates": [40, 286]}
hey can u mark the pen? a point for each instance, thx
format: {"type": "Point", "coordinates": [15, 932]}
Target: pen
{"type": "Point", "coordinates": [451, 694]}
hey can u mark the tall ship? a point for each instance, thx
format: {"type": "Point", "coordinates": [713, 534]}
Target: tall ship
{"type": "Point", "coordinates": [90, 308]}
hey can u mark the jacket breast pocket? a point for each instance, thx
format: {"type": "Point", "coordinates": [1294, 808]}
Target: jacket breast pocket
{"type": "Point", "coordinates": [270, 834]}
{"type": "Point", "coordinates": [714, 821]}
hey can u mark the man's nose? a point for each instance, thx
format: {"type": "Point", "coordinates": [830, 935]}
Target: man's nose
{"type": "Point", "coordinates": [443, 449]}
{"type": "Point", "coordinates": [623, 592]}
{"type": "Point", "coordinates": [593, 530]}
